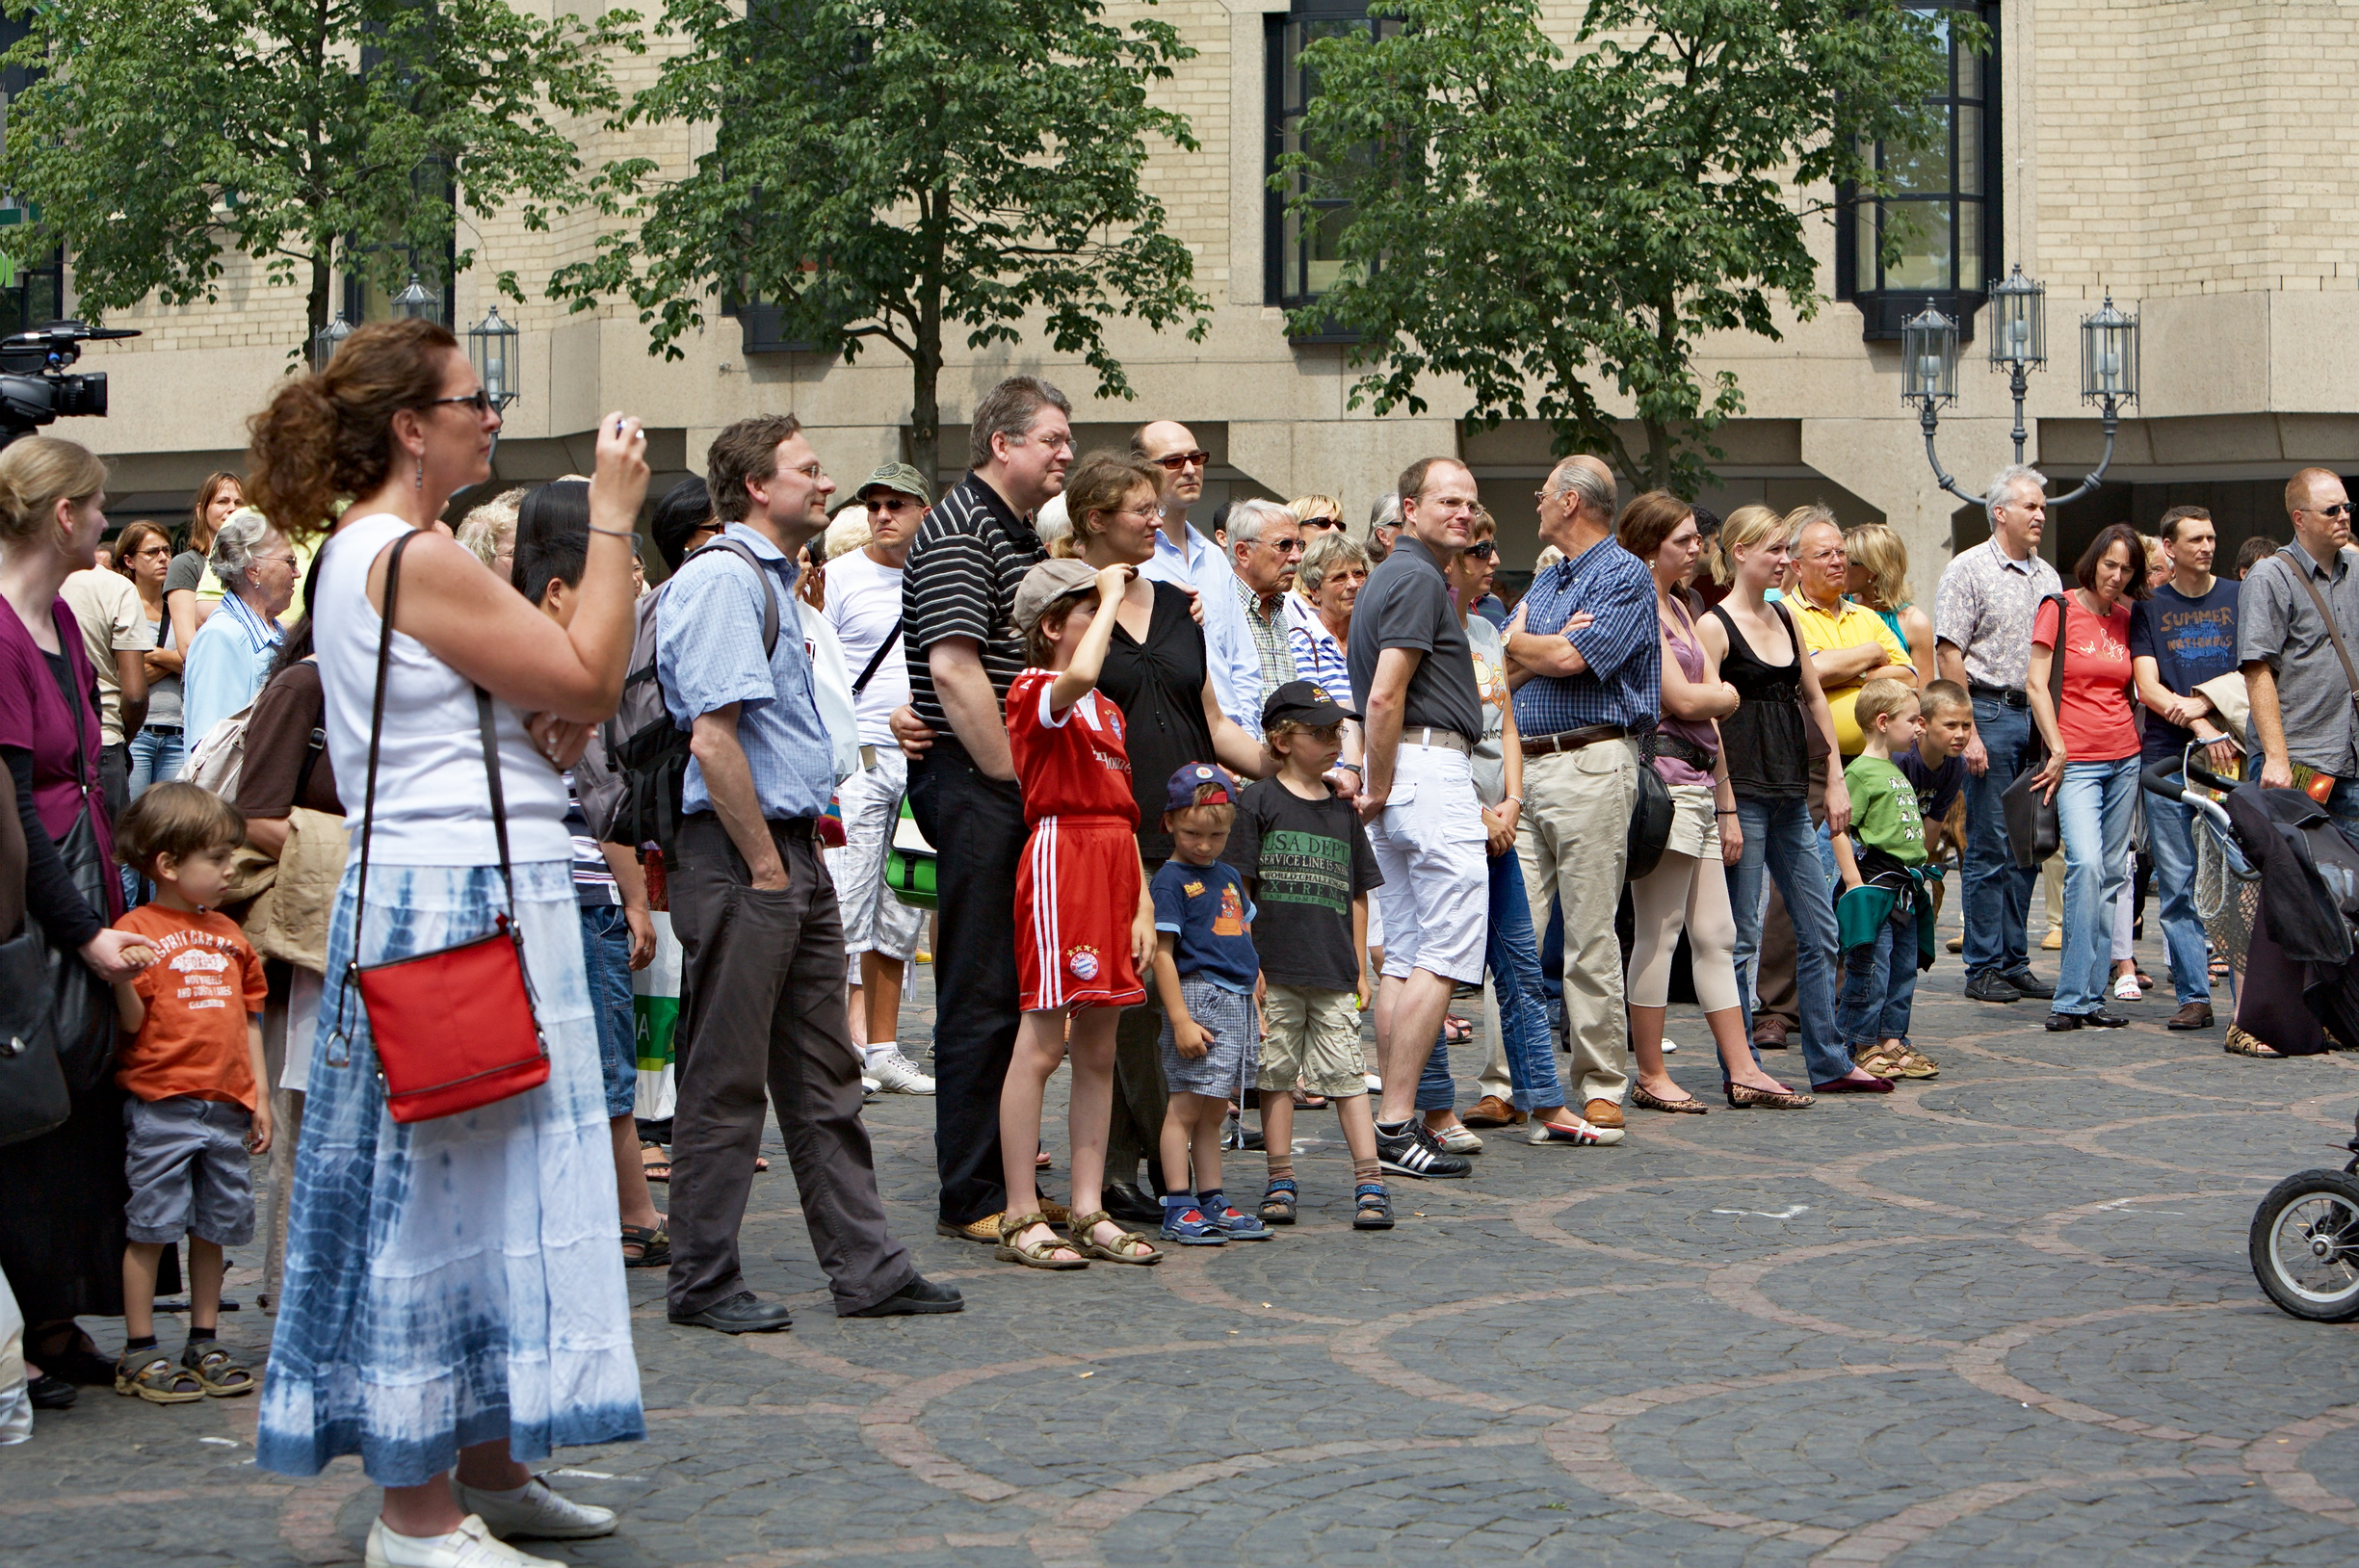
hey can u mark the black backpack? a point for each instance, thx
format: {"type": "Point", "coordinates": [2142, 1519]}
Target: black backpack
{"type": "Point", "coordinates": [648, 751]}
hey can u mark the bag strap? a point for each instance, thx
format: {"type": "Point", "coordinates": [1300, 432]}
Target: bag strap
{"type": "Point", "coordinates": [876, 660]}
{"type": "Point", "coordinates": [2309, 583]}
{"type": "Point", "coordinates": [368, 796]}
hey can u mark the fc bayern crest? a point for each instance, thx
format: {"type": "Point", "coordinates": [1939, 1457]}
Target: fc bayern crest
{"type": "Point", "coordinates": [1083, 961]}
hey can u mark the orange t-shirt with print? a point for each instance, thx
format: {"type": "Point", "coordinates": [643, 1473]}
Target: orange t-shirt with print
{"type": "Point", "coordinates": [206, 980]}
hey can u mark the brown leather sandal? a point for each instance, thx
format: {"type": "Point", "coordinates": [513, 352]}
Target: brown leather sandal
{"type": "Point", "coordinates": [1034, 1254]}
{"type": "Point", "coordinates": [1130, 1247]}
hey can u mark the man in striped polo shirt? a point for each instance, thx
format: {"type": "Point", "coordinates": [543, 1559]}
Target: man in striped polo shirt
{"type": "Point", "coordinates": [957, 596]}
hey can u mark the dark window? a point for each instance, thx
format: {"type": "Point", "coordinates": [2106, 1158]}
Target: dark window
{"type": "Point", "coordinates": [1301, 255]}
{"type": "Point", "coordinates": [1943, 209]}
{"type": "Point", "coordinates": [32, 295]}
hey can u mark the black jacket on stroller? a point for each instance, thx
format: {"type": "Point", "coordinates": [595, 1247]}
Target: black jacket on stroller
{"type": "Point", "coordinates": [2302, 938]}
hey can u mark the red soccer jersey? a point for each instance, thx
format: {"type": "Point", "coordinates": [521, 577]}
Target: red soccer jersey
{"type": "Point", "coordinates": [1070, 764]}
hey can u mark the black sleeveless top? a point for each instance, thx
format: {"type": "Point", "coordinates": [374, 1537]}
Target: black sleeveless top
{"type": "Point", "coordinates": [1765, 740]}
{"type": "Point", "coordinates": [1158, 685]}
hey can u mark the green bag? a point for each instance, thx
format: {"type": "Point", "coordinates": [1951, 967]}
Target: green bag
{"type": "Point", "coordinates": [909, 865]}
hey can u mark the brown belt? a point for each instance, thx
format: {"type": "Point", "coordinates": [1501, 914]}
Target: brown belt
{"type": "Point", "coordinates": [1572, 739]}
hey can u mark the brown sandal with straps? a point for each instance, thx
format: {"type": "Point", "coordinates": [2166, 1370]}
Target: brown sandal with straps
{"type": "Point", "coordinates": [1038, 1254]}
{"type": "Point", "coordinates": [154, 1377]}
{"type": "Point", "coordinates": [1130, 1247]}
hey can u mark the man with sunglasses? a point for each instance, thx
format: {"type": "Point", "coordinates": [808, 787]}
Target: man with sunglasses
{"type": "Point", "coordinates": [2302, 699]}
{"type": "Point", "coordinates": [1185, 560]}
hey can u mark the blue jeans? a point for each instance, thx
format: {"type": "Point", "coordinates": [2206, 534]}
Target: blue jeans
{"type": "Point", "coordinates": [1998, 894]}
{"type": "Point", "coordinates": [606, 963]}
{"type": "Point", "coordinates": [1513, 959]}
{"type": "Point", "coordinates": [2170, 829]}
{"type": "Point", "coordinates": [2093, 806]}
{"type": "Point", "coordinates": [1879, 982]}
{"type": "Point", "coordinates": [155, 758]}
{"type": "Point", "coordinates": [1780, 840]}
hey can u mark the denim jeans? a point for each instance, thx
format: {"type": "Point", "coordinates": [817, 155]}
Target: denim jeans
{"type": "Point", "coordinates": [2094, 806]}
{"type": "Point", "coordinates": [606, 963]}
{"type": "Point", "coordinates": [1780, 840]}
{"type": "Point", "coordinates": [1879, 982]}
{"type": "Point", "coordinates": [1998, 894]}
{"type": "Point", "coordinates": [155, 758]}
{"type": "Point", "coordinates": [1513, 959]}
{"type": "Point", "coordinates": [2170, 829]}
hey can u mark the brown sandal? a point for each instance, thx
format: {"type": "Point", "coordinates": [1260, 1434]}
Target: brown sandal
{"type": "Point", "coordinates": [1689, 1107]}
{"type": "Point", "coordinates": [2242, 1044]}
{"type": "Point", "coordinates": [154, 1377]}
{"type": "Point", "coordinates": [1034, 1254]}
{"type": "Point", "coordinates": [1131, 1248]}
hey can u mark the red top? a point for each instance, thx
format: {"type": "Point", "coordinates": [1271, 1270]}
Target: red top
{"type": "Point", "coordinates": [199, 994]}
{"type": "Point", "coordinates": [1070, 764]}
{"type": "Point", "coordinates": [2095, 719]}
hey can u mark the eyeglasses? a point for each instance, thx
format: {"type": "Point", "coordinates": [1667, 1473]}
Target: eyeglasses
{"type": "Point", "coordinates": [283, 560]}
{"type": "Point", "coordinates": [1182, 460]}
{"type": "Point", "coordinates": [811, 471]}
{"type": "Point", "coordinates": [890, 503]}
{"type": "Point", "coordinates": [1283, 547]}
{"type": "Point", "coordinates": [478, 399]}
{"type": "Point", "coordinates": [1484, 550]}
{"type": "Point", "coordinates": [1055, 443]}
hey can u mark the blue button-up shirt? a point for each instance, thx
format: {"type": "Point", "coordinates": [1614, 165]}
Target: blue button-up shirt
{"type": "Point", "coordinates": [228, 660]}
{"type": "Point", "coordinates": [1623, 684]}
{"type": "Point", "coordinates": [1229, 649]}
{"type": "Point", "coordinates": [708, 654]}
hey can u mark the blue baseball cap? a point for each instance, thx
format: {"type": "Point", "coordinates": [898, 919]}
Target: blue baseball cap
{"type": "Point", "coordinates": [1181, 794]}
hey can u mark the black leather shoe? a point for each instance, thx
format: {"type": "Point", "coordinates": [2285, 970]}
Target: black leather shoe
{"type": "Point", "coordinates": [2026, 984]}
{"type": "Point", "coordinates": [2101, 1019]}
{"type": "Point", "coordinates": [1988, 987]}
{"type": "Point", "coordinates": [744, 1313]}
{"type": "Point", "coordinates": [50, 1392]}
{"type": "Point", "coordinates": [920, 1295]}
{"type": "Point", "coordinates": [1125, 1201]}
{"type": "Point", "coordinates": [2063, 1022]}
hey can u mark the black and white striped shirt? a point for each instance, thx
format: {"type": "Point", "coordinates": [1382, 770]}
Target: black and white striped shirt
{"type": "Point", "coordinates": [970, 552]}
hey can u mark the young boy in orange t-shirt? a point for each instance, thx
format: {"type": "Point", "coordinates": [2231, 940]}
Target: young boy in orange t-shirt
{"type": "Point", "coordinates": [194, 1068]}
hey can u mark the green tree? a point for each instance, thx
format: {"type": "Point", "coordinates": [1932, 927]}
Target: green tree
{"type": "Point", "coordinates": [159, 139]}
{"type": "Point", "coordinates": [1541, 227]}
{"type": "Point", "coordinates": [897, 170]}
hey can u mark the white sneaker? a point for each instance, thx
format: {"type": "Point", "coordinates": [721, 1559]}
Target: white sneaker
{"type": "Point", "coordinates": [470, 1545]}
{"type": "Point", "coordinates": [540, 1512]}
{"type": "Point", "coordinates": [1669, 1046]}
{"type": "Point", "coordinates": [1457, 1139]}
{"type": "Point", "coordinates": [868, 1084]}
{"type": "Point", "coordinates": [897, 1073]}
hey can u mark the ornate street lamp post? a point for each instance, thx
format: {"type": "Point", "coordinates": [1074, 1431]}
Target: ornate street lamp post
{"type": "Point", "coordinates": [327, 340]}
{"type": "Point", "coordinates": [492, 343]}
{"type": "Point", "coordinates": [2019, 346]}
{"type": "Point", "coordinates": [417, 302]}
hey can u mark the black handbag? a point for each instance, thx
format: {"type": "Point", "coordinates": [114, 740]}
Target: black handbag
{"type": "Point", "coordinates": [2033, 830]}
{"type": "Point", "coordinates": [80, 1004]}
{"type": "Point", "coordinates": [33, 1097]}
{"type": "Point", "coordinates": [1650, 819]}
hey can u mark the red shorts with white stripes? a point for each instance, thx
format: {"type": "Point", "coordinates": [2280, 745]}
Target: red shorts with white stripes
{"type": "Point", "coordinates": [1076, 895]}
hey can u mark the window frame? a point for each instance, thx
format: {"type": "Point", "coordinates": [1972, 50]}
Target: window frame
{"type": "Point", "coordinates": [1884, 309]}
{"type": "Point", "coordinates": [16, 292]}
{"type": "Point", "coordinates": [1283, 261]}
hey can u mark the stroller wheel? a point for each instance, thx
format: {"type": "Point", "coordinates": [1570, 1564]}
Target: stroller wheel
{"type": "Point", "coordinates": [2305, 1246]}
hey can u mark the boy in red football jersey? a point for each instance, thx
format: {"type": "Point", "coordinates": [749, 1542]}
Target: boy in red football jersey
{"type": "Point", "coordinates": [1083, 925]}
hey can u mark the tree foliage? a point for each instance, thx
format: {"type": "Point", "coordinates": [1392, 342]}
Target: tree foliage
{"type": "Point", "coordinates": [897, 169]}
{"type": "Point", "coordinates": [1554, 230]}
{"type": "Point", "coordinates": [159, 139]}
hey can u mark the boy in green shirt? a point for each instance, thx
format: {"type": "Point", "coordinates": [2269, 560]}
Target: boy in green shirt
{"type": "Point", "coordinates": [1880, 961]}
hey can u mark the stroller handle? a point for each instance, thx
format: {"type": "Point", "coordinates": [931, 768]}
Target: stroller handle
{"type": "Point", "coordinates": [2158, 779]}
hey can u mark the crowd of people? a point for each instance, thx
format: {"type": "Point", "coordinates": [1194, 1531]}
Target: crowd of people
{"type": "Point", "coordinates": [1195, 805]}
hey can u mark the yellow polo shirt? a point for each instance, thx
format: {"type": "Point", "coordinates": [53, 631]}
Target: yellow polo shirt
{"type": "Point", "coordinates": [1849, 626]}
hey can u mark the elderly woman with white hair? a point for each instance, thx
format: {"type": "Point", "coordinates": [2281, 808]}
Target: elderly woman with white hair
{"type": "Point", "coordinates": [230, 656]}
{"type": "Point", "coordinates": [1319, 612]}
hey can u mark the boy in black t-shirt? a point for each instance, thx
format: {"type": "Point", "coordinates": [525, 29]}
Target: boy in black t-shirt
{"type": "Point", "coordinates": [1306, 860]}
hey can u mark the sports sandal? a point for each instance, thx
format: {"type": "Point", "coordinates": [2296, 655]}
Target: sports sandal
{"type": "Point", "coordinates": [1375, 1211]}
{"type": "Point", "coordinates": [659, 1168]}
{"type": "Point", "coordinates": [1279, 1203]}
{"type": "Point", "coordinates": [1129, 1247]}
{"type": "Point", "coordinates": [153, 1376]}
{"type": "Point", "coordinates": [654, 1243]}
{"type": "Point", "coordinates": [1034, 1254]}
{"type": "Point", "coordinates": [223, 1375]}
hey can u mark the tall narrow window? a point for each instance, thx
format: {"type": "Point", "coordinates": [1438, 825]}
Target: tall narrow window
{"type": "Point", "coordinates": [1301, 250]}
{"type": "Point", "coordinates": [30, 294]}
{"type": "Point", "coordinates": [1942, 209]}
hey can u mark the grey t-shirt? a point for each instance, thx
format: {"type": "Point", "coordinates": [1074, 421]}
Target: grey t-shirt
{"type": "Point", "coordinates": [187, 572]}
{"type": "Point", "coordinates": [162, 691]}
{"type": "Point", "coordinates": [1405, 604]}
{"type": "Point", "coordinates": [2276, 624]}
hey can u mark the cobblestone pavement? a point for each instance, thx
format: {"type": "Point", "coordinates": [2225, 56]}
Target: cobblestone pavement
{"type": "Point", "coordinates": [2002, 1317]}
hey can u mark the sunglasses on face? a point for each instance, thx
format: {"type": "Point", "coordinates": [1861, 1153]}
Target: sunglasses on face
{"type": "Point", "coordinates": [1182, 460]}
{"type": "Point", "coordinates": [2339, 510]}
{"type": "Point", "coordinates": [890, 503]}
{"type": "Point", "coordinates": [1486, 550]}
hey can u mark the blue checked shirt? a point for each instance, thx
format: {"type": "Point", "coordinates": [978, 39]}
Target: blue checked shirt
{"type": "Point", "coordinates": [1623, 684]}
{"type": "Point", "coordinates": [708, 654]}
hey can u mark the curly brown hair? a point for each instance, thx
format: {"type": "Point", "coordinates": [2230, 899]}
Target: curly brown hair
{"type": "Point", "coordinates": [327, 437]}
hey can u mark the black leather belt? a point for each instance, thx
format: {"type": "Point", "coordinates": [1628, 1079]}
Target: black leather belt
{"type": "Point", "coordinates": [1681, 749]}
{"type": "Point", "coordinates": [2000, 693]}
{"type": "Point", "coordinates": [1571, 740]}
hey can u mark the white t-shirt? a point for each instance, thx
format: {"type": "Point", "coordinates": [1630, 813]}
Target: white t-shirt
{"type": "Point", "coordinates": [864, 607]}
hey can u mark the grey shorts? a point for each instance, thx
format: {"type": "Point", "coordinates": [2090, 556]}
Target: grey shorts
{"type": "Point", "coordinates": [1227, 1067]}
{"type": "Point", "coordinates": [189, 1170]}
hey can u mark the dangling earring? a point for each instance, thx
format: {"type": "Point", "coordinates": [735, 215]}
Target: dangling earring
{"type": "Point", "coordinates": [421, 479]}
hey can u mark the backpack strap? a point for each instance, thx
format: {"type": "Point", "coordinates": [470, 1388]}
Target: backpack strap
{"type": "Point", "coordinates": [769, 590]}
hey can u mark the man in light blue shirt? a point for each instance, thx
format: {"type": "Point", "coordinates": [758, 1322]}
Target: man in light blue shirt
{"type": "Point", "coordinates": [1186, 560]}
{"type": "Point", "coordinates": [230, 656]}
{"type": "Point", "coordinates": [762, 938]}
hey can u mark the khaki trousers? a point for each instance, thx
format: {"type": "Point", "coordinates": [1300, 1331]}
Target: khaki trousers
{"type": "Point", "coordinates": [1573, 840]}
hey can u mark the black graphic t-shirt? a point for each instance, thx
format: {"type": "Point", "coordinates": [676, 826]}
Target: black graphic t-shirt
{"type": "Point", "coordinates": [1307, 859]}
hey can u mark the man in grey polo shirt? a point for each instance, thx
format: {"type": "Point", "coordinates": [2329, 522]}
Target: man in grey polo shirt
{"type": "Point", "coordinates": [2301, 698]}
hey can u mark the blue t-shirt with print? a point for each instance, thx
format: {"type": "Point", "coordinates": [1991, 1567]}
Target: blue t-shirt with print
{"type": "Point", "coordinates": [1206, 909]}
{"type": "Point", "coordinates": [2190, 642]}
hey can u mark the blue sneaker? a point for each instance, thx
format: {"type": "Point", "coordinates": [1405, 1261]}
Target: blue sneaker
{"type": "Point", "coordinates": [1184, 1223]}
{"type": "Point", "coordinates": [1224, 1216]}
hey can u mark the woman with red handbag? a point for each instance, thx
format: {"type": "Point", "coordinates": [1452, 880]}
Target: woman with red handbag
{"type": "Point", "coordinates": [454, 1298]}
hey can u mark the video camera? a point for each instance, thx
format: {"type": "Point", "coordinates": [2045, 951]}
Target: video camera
{"type": "Point", "coordinates": [34, 385]}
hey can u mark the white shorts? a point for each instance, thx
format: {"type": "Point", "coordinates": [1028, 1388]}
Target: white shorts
{"type": "Point", "coordinates": [1429, 845]}
{"type": "Point", "coordinates": [874, 921]}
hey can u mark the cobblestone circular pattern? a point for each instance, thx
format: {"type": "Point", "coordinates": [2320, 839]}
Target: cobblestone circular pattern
{"type": "Point", "coordinates": [2003, 1316]}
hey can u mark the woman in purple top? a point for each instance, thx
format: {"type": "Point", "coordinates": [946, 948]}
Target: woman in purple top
{"type": "Point", "coordinates": [62, 1195]}
{"type": "Point", "coordinates": [1689, 888]}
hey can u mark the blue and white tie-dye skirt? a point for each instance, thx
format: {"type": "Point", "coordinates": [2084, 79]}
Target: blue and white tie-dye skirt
{"type": "Point", "coordinates": [454, 1281]}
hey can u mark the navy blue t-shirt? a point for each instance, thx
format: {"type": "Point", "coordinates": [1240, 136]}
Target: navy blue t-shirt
{"type": "Point", "coordinates": [2190, 642]}
{"type": "Point", "coordinates": [1206, 907]}
{"type": "Point", "coordinates": [1937, 784]}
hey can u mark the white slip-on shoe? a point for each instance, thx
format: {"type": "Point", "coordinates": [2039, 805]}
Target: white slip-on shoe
{"type": "Point", "coordinates": [897, 1073]}
{"type": "Point", "coordinates": [1457, 1139]}
{"type": "Point", "coordinates": [538, 1513]}
{"type": "Point", "coordinates": [470, 1545]}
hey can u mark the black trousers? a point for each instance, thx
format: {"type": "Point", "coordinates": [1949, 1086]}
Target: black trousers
{"type": "Point", "coordinates": [976, 825]}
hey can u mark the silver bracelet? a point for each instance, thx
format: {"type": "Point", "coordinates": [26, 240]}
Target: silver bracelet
{"type": "Point", "coordinates": [614, 532]}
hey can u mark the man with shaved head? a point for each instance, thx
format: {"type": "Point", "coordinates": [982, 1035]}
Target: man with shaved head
{"type": "Point", "coordinates": [2304, 710]}
{"type": "Point", "coordinates": [1185, 560]}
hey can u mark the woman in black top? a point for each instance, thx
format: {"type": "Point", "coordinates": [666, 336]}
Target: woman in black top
{"type": "Point", "coordinates": [1765, 740]}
